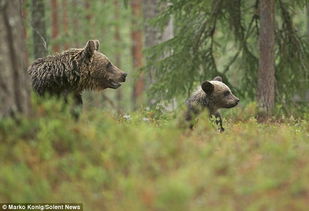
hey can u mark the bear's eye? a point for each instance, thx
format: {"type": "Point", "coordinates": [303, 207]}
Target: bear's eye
{"type": "Point", "coordinates": [108, 65]}
{"type": "Point", "coordinates": [226, 93]}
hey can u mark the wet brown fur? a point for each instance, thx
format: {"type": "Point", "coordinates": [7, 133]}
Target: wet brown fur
{"type": "Point", "coordinates": [73, 71]}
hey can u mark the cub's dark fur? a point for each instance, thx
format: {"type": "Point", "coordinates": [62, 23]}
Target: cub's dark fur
{"type": "Point", "coordinates": [212, 95]}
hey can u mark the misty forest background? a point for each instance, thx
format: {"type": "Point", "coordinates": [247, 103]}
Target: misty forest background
{"type": "Point", "coordinates": [127, 150]}
{"type": "Point", "coordinates": [169, 47]}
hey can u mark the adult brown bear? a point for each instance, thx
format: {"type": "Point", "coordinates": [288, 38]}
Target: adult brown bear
{"type": "Point", "coordinates": [74, 70]}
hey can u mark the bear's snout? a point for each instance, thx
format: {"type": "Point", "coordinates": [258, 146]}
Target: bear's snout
{"type": "Point", "coordinates": [123, 77]}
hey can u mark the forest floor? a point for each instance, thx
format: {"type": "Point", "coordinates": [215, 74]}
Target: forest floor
{"type": "Point", "coordinates": [146, 162]}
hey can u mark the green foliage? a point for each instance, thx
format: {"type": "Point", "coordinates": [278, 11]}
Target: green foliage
{"type": "Point", "coordinates": [86, 20]}
{"type": "Point", "coordinates": [145, 162]}
{"type": "Point", "coordinates": [220, 37]}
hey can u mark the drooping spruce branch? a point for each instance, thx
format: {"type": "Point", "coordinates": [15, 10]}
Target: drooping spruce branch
{"type": "Point", "coordinates": [202, 31]}
{"type": "Point", "coordinates": [292, 63]}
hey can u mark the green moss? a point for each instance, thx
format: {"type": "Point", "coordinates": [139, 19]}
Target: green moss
{"type": "Point", "coordinates": [145, 163]}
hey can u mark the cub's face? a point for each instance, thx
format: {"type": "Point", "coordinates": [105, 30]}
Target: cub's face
{"type": "Point", "coordinates": [104, 73]}
{"type": "Point", "coordinates": [219, 93]}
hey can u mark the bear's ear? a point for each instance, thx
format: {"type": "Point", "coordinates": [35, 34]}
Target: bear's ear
{"type": "Point", "coordinates": [91, 46]}
{"type": "Point", "coordinates": [208, 87]}
{"type": "Point", "coordinates": [97, 44]}
{"type": "Point", "coordinates": [217, 78]}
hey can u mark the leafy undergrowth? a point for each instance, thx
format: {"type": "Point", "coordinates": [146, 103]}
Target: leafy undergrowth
{"type": "Point", "coordinates": [143, 163]}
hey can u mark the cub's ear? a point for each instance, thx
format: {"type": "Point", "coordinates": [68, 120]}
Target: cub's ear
{"type": "Point", "coordinates": [88, 51]}
{"type": "Point", "coordinates": [207, 87]}
{"type": "Point", "coordinates": [217, 78]}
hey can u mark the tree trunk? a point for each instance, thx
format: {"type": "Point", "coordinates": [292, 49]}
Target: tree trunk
{"type": "Point", "coordinates": [266, 72]}
{"type": "Point", "coordinates": [88, 16]}
{"type": "Point", "coordinates": [88, 11]}
{"type": "Point", "coordinates": [118, 51]}
{"type": "Point", "coordinates": [39, 28]}
{"type": "Point", "coordinates": [65, 23]}
{"type": "Point", "coordinates": [25, 32]}
{"type": "Point", "coordinates": [75, 23]}
{"type": "Point", "coordinates": [14, 87]}
{"type": "Point", "coordinates": [153, 35]}
{"type": "Point", "coordinates": [307, 20]}
{"type": "Point", "coordinates": [137, 47]}
{"type": "Point", "coordinates": [55, 29]}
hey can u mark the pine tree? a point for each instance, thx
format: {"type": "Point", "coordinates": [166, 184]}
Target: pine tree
{"type": "Point", "coordinates": [220, 37]}
{"type": "Point", "coordinates": [118, 51]}
{"type": "Point", "coordinates": [55, 25]}
{"type": "Point", "coordinates": [137, 46]}
{"type": "Point", "coordinates": [15, 92]}
{"type": "Point", "coordinates": [38, 28]}
{"type": "Point", "coordinates": [266, 71]}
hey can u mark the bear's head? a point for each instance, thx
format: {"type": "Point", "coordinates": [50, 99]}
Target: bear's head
{"type": "Point", "coordinates": [96, 70]}
{"type": "Point", "coordinates": [219, 93]}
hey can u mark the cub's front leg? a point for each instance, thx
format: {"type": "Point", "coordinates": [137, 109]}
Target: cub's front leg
{"type": "Point", "coordinates": [218, 121]}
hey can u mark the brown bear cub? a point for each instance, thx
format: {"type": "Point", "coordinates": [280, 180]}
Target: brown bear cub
{"type": "Point", "coordinates": [74, 70]}
{"type": "Point", "coordinates": [212, 95]}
